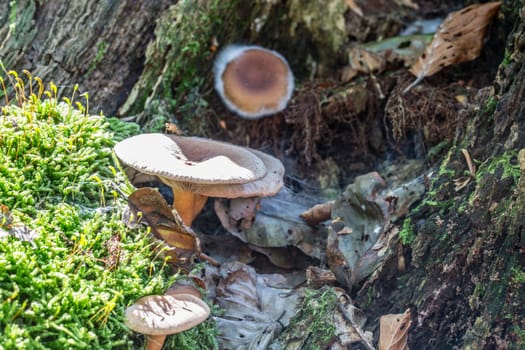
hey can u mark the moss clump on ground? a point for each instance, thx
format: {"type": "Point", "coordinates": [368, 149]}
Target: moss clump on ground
{"type": "Point", "coordinates": [66, 285]}
{"type": "Point", "coordinates": [312, 328]}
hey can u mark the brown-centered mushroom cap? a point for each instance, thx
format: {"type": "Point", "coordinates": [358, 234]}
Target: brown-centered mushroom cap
{"type": "Point", "coordinates": [191, 160]}
{"type": "Point", "coordinates": [166, 314]}
{"type": "Point", "coordinates": [253, 81]}
{"type": "Point", "coordinates": [188, 165]}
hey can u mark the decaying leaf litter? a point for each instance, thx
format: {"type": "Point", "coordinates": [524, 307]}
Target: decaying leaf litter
{"type": "Point", "coordinates": [343, 129]}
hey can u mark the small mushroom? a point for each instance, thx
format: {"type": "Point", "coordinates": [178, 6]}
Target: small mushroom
{"type": "Point", "coordinates": [253, 81]}
{"type": "Point", "coordinates": [158, 316]}
{"type": "Point", "coordinates": [190, 166]}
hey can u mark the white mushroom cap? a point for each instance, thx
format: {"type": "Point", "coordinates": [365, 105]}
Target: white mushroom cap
{"type": "Point", "coordinates": [268, 185]}
{"type": "Point", "coordinates": [253, 81]}
{"type": "Point", "coordinates": [166, 314]}
{"type": "Point", "coordinates": [189, 159]}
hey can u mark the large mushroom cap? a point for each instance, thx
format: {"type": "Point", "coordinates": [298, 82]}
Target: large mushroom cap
{"type": "Point", "coordinates": [166, 314]}
{"type": "Point", "coordinates": [189, 159]}
{"type": "Point", "coordinates": [253, 81]}
{"type": "Point", "coordinates": [268, 185]}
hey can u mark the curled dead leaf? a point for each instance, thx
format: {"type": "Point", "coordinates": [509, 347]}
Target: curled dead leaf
{"type": "Point", "coordinates": [166, 226]}
{"type": "Point", "coordinates": [354, 7]}
{"type": "Point", "coordinates": [393, 331]}
{"type": "Point", "coordinates": [318, 213]}
{"type": "Point", "coordinates": [366, 61]}
{"type": "Point", "coordinates": [458, 39]}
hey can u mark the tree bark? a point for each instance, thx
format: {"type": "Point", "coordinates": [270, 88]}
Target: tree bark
{"type": "Point", "coordinates": [465, 280]}
{"type": "Point", "coordinates": [99, 45]}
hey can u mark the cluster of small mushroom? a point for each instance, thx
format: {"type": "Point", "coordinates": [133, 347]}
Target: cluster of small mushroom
{"type": "Point", "coordinates": [253, 82]}
{"type": "Point", "coordinates": [197, 168]}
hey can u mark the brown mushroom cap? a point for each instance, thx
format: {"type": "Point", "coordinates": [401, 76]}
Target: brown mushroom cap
{"type": "Point", "coordinates": [166, 314]}
{"type": "Point", "coordinates": [191, 160]}
{"type": "Point", "coordinates": [189, 165]}
{"type": "Point", "coordinates": [253, 81]}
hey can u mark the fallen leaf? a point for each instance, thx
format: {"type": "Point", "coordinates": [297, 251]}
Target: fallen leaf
{"type": "Point", "coordinates": [358, 236]}
{"type": "Point", "coordinates": [240, 214]}
{"type": "Point", "coordinates": [317, 277]}
{"type": "Point", "coordinates": [366, 61]}
{"type": "Point", "coordinates": [408, 3]}
{"type": "Point", "coordinates": [318, 213]}
{"type": "Point", "coordinates": [354, 7]}
{"type": "Point", "coordinates": [18, 231]}
{"type": "Point", "coordinates": [462, 99]}
{"type": "Point", "coordinates": [6, 218]}
{"type": "Point", "coordinates": [278, 224]}
{"type": "Point", "coordinates": [255, 307]}
{"type": "Point", "coordinates": [166, 226]}
{"type": "Point", "coordinates": [393, 331]}
{"type": "Point", "coordinates": [458, 39]}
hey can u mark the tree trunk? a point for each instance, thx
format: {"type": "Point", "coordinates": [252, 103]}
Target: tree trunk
{"type": "Point", "coordinates": [465, 280]}
{"type": "Point", "coordinates": [99, 45]}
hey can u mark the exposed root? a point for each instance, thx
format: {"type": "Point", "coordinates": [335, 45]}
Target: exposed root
{"type": "Point", "coordinates": [430, 111]}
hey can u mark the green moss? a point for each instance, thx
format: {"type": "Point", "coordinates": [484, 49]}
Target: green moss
{"type": "Point", "coordinates": [122, 130]}
{"type": "Point", "coordinates": [101, 52]}
{"type": "Point", "coordinates": [490, 106]}
{"type": "Point", "coordinates": [507, 163]}
{"type": "Point", "coordinates": [407, 234]}
{"type": "Point", "coordinates": [506, 58]}
{"type": "Point", "coordinates": [312, 327]}
{"type": "Point", "coordinates": [518, 275]}
{"type": "Point", "coordinates": [67, 284]}
{"type": "Point", "coordinates": [49, 153]}
{"type": "Point", "coordinates": [12, 13]}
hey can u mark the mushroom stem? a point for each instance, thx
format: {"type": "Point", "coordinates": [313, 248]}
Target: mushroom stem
{"type": "Point", "coordinates": [188, 205]}
{"type": "Point", "coordinates": [155, 342]}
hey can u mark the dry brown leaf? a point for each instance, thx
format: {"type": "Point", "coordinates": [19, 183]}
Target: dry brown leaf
{"type": "Point", "coordinates": [458, 39]}
{"type": "Point", "coordinates": [393, 331]}
{"type": "Point", "coordinates": [185, 246]}
{"type": "Point", "coordinates": [19, 231]}
{"type": "Point", "coordinates": [366, 61]}
{"type": "Point", "coordinates": [317, 277]}
{"type": "Point", "coordinates": [352, 5]}
{"type": "Point", "coordinates": [6, 218]}
{"type": "Point", "coordinates": [408, 3]}
{"type": "Point", "coordinates": [318, 213]}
